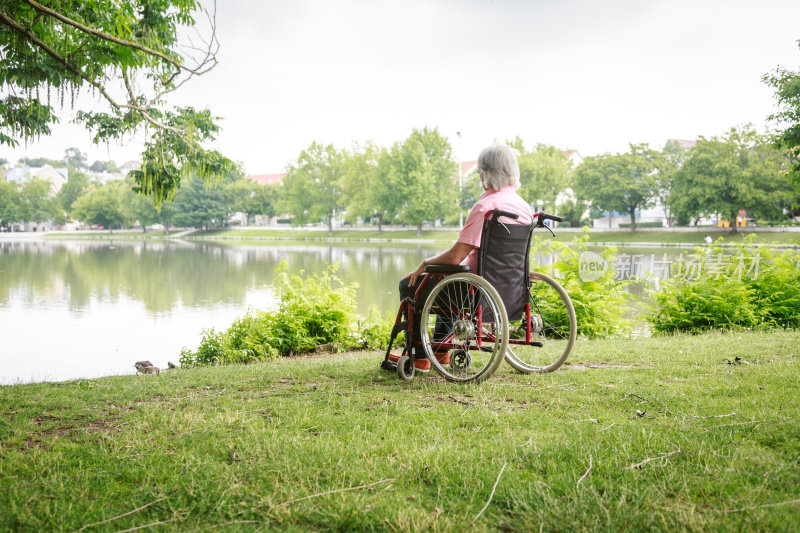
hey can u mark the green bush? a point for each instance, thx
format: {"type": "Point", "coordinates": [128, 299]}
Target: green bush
{"type": "Point", "coordinates": [754, 287]}
{"type": "Point", "coordinates": [643, 225]}
{"type": "Point", "coordinates": [600, 305]}
{"type": "Point", "coordinates": [312, 310]}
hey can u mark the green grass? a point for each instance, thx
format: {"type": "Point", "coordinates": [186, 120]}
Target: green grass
{"type": "Point", "coordinates": [332, 443]}
{"type": "Point", "coordinates": [674, 237]}
{"type": "Point", "coordinates": [106, 235]}
{"type": "Point", "coordinates": [449, 235]}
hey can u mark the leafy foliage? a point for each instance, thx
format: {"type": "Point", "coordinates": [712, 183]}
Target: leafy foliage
{"type": "Point", "coordinates": [199, 205]}
{"type": "Point", "coordinates": [622, 182]}
{"type": "Point", "coordinates": [312, 310]}
{"type": "Point", "coordinates": [599, 304]}
{"type": "Point", "coordinates": [9, 202]}
{"type": "Point", "coordinates": [37, 203]}
{"type": "Point", "coordinates": [77, 184]}
{"type": "Point", "coordinates": [423, 171]}
{"type": "Point", "coordinates": [757, 287]}
{"type": "Point", "coordinates": [787, 94]}
{"type": "Point", "coordinates": [312, 191]}
{"type": "Point", "coordinates": [368, 191]}
{"type": "Point", "coordinates": [738, 171]}
{"type": "Point", "coordinates": [253, 199]}
{"type": "Point", "coordinates": [101, 206]}
{"type": "Point", "coordinates": [543, 173]}
{"type": "Point", "coordinates": [127, 54]}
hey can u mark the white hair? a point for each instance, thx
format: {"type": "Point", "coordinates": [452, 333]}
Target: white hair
{"type": "Point", "coordinates": [498, 166]}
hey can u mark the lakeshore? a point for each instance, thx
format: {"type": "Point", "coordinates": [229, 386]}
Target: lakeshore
{"type": "Point", "coordinates": [645, 237]}
{"type": "Point", "coordinates": [668, 433]}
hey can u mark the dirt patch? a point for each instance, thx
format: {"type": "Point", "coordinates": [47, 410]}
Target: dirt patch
{"type": "Point", "coordinates": [30, 443]}
{"type": "Point", "coordinates": [593, 366]}
{"type": "Point", "coordinates": [497, 404]}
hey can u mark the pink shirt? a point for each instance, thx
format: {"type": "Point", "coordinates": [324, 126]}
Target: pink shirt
{"type": "Point", "coordinates": [506, 199]}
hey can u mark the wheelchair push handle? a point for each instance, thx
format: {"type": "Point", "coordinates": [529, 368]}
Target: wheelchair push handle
{"type": "Point", "coordinates": [542, 216]}
{"type": "Point", "coordinates": [497, 213]}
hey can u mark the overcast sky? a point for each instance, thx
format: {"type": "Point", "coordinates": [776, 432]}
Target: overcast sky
{"type": "Point", "coordinates": [589, 75]}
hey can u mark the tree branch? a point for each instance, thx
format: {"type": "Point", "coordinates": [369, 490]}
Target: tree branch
{"type": "Point", "coordinates": [11, 23]}
{"type": "Point", "coordinates": [105, 36]}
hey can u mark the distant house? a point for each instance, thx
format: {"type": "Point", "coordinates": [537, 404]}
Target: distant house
{"type": "Point", "coordinates": [686, 145]}
{"type": "Point", "coordinates": [468, 166]}
{"type": "Point", "coordinates": [130, 165]}
{"type": "Point", "coordinates": [573, 158]}
{"type": "Point", "coordinates": [267, 179]}
{"type": "Point", "coordinates": [22, 175]}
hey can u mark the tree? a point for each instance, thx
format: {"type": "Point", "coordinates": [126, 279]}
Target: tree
{"type": "Point", "coordinates": [741, 170]}
{"type": "Point", "coordinates": [39, 162]}
{"type": "Point", "coordinates": [130, 56]}
{"type": "Point", "coordinates": [104, 166]}
{"type": "Point", "coordinates": [672, 157]}
{"type": "Point", "coordinates": [37, 203]}
{"type": "Point", "coordinates": [423, 169]}
{"type": "Point", "coordinates": [367, 180]}
{"type": "Point", "coordinates": [9, 203]}
{"type": "Point", "coordinates": [75, 158]}
{"type": "Point", "coordinates": [543, 172]}
{"type": "Point", "coordinates": [252, 199]}
{"type": "Point", "coordinates": [471, 190]}
{"type": "Point", "coordinates": [623, 182]}
{"type": "Point", "coordinates": [199, 205]}
{"type": "Point", "coordinates": [101, 206]}
{"type": "Point", "coordinates": [787, 94]}
{"type": "Point", "coordinates": [312, 191]}
{"type": "Point", "coordinates": [75, 186]}
{"type": "Point", "coordinates": [137, 207]}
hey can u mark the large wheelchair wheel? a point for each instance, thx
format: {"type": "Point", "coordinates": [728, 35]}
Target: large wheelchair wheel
{"type": "Point", "coordinates": [552, 324]}
{"type": "Point", "coordinates": [465, 318]}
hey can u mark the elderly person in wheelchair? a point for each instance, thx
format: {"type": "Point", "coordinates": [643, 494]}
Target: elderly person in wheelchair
{"type": "Point", "coordinates": [469, 308]}
{"type": "Point", "coordinates": [499, 174]}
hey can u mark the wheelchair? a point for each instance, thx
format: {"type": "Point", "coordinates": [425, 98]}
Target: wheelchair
{"type": "Point", "coordinates": [502, 312]}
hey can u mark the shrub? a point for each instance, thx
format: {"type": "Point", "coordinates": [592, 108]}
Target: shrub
{"type": "Point", "coordinates": [312, 310]}
{"type": "Point", "coordinates": [599, 305]}
{"type": "Point", "coordinates": [752, 288]}
{"type": "Point", "coordinates": [657, 224]}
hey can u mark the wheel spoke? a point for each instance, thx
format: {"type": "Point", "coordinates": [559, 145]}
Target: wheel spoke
{"type": "Point", "coordinates": [552, 323]}
{"type": "Point", "coordinates": [453, 303]}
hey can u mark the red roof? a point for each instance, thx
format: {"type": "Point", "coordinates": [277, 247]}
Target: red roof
{"type": "Point", "coordinates": [267, 179]}
{"type": "Point", "coordinates": [467, 167]}
{"type": "Point", "coordinates": [682, 143]}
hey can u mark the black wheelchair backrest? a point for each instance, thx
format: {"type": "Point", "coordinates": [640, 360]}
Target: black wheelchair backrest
{"type": "Point", "coordinates": [503, 261]}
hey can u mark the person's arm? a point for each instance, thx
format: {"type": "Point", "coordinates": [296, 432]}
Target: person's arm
{"type": "Point", "coordinates": [457, 253]}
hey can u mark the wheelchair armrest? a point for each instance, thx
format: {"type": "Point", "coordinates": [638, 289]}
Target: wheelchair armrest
{"type": "Point", "coordinates": [447, 269]}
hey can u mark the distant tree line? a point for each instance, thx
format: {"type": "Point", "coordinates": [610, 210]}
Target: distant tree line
{"type": "Point", "coordinates": [115, 205]}
{"type": "Point", "coordinates": [416, 181]}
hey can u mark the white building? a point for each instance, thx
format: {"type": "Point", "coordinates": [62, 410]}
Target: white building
{"type": "Point", "coordinates": [22, 175]}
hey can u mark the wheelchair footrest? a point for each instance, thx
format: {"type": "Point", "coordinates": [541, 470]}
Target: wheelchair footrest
{"type": "Point", "coordinates": [388, 365]}
{"type": "Point", "coordinates": [398, 328]}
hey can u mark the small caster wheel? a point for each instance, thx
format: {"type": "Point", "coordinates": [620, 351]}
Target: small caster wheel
{"type": "Point", "coordinates": [460, 360]}
{"type": "Point", "coordinates": [405, 368]}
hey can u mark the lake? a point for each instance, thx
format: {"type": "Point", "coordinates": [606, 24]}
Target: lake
{"type": "Point", "coordinates": [82, 309]}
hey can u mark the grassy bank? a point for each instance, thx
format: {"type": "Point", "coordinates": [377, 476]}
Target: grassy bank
{"type": "Point", "coordinates": [658, 433]}
{"type": "Point", "coordinates": [105, 235]}
{"type": "Point", "coordinates": [449, 235]}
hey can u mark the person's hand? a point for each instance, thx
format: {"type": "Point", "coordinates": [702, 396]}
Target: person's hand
{"type": "Point", "coordinates": [412, 276]}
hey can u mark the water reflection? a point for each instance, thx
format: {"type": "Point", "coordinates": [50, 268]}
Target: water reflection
{"type": "Point", "coordinates": [167, 275]}
{"type": "Point", "coordinates": [86, 309]}
{"type": "Point", "coordinates": [89, 308]}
